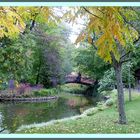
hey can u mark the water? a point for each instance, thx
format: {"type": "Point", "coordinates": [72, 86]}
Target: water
{"type": "Point", "coordinates": [14, 115]}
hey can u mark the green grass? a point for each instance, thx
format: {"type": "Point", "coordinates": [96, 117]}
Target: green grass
{"type": "Point", "coordinates": [73, 88]}
{"type": "Point", "coordinates": [100, 122]}
{"type": "Point", "coordinates": [45, 92]}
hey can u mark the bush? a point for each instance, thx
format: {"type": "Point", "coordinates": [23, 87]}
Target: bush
{"type": "Point", "coordinates": [92, 112]}
{"type": "Point", "coordinates": [3, 85]}
{"type": "Point", "coordinates": [101, 108]}
{"type": "Point", "coordinates": [100, 104]}
{"type": "Point", "coordinates": [45, 92]}
{"type": "Point", "coordinates": [26, 96]}
{"type": "Point", "coordinates": [109, 102]}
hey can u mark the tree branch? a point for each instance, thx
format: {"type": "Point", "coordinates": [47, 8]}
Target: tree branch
{"type": "Point", "coordinates": [91, 13]}
{"type": "Point", "coordinates": [135, 41]}
{"type": "Point", "coordinates": [2, 130]}
{"type": "Point", "coordinates": [100, 11]}
{"type": "Point", "coordinates": [125, 55]}
{"type": "Point", "coordinates": [125, 60]}
{"type": "Point", "coordinates": [93, 44]}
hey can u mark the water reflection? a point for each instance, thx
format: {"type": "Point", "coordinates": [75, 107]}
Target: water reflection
{"type": "Point", "coordinates": [13, 115]}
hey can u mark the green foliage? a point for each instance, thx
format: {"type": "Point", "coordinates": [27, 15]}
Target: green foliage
{"type": "Point", "coordinates": [16, 58]}
{"type": "Point", "coordinates": [37, 57]}
{"type": "Point", "coordinates": [73, 88]}
{"type": "Point", "coordinates": [89, 63]}
{"type": "Point", "coordinates": [50, 65]}
{"type": "Point", "coordinates": [109, 102]}
{"type": "Point", "coordinates": [101, 106]}
{"type": "Point", "coordinates": [125, 74]}
{"type": "Point", "coordinates": [45, 92]}
{"type": "Point", "coordinates": [108, 82]}
{"type": "Point", "coordinates": [135, 58]}
{"type": "Point", "coordinates": [94, 111]}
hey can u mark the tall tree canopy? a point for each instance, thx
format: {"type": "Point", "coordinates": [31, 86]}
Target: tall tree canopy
{"type": "Point", "coordinates": [30, 42]}
{"type": "Point", "coordinates": [15, 20]}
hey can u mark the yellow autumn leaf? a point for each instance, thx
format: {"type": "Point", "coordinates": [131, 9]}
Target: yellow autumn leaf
{"type": "Point", "coordinates": [80, 38]}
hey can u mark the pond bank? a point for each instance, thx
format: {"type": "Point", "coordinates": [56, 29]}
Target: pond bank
{"type": "Point", "coordinates": [37, 99]}
{"type": "Point", "coordinates": [17, 114]}
{"type": "Point", "coordinates": [88, 112]}
{"type": "Point", "coordinates": [104, 122]}
{"type": "Point", "coordinates": [84, 114]}
{"type": "Point", "coordinates": [42, 94]}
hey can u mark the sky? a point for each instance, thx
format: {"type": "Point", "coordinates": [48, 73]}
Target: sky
{"type": "Point", "coordinates": [75, 28]}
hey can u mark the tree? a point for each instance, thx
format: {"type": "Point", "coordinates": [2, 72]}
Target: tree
{"type": "Point", "coordinates": [113, 37]}
{"type": "Point", "coordinates": [108, 81]}
{"type": "Point", "coordinates": [16, 58]}
{"type": "Point", "coordinates": [33, 34]}
{"type": "Point", "coordinates": [50, 61]}
{"type": "Point", "coordinates": [89, 63]}
{"type": "Point", "coordinates": [16, 20]}
{"type": "Point", "coordinates": [11, 23]}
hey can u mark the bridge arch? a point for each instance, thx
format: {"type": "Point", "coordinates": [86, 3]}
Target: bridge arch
{"type": "Point", "coordinates": [72, 78]}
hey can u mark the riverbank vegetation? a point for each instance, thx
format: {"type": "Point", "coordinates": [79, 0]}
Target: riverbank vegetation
{"type": "Point", "coordinates": [45, 92]}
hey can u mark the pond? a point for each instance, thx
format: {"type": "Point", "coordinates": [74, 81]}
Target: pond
{"type": "Point", "coordinates": [15, 115]}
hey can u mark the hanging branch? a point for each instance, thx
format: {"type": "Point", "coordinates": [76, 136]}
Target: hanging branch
{"type": "Point", "coordinates": [125, 55]}
{"type": "Point", "coordinates": [129, 23]}
{"type": "Point", "coordinates": [33, 21]}
{"type": "Point", "coordinates": [2, 130]}
{"type": "Point", "coordinates": [93, 42]}
{"type": "Point", "coordinates": [91, 13]}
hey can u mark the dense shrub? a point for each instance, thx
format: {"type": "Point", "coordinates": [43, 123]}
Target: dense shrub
{"type": "Point", "coordinates": [92, 112]}
{"type": "Point", "coordinates": [109, 102]}
{"type": "Point", "coordinates": [45, 92]}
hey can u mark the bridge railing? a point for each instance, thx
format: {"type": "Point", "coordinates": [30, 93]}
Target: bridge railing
{"type": "Point", "coordinates": [83, 79]}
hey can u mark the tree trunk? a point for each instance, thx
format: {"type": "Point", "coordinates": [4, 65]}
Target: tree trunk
{"type": "Point", "coordinates": [130, 99]}
{"type": "Point", "coordinates": [129, 82]}
{"type": "Point", "coordinates": [38, 72]}
{"type": "Point", "coordinates": [121, 109]}
{"type": "Point", "coordinates": [37, 78]}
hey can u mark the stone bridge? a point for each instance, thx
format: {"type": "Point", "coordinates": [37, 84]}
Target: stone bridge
{"type": "Point", "coordinates": [83, 80]}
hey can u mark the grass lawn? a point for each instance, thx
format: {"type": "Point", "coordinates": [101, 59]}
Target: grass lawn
{"type": "Point", "coordinates": [73, 88]}
{"type": "Point", "coordinates": [100, 122]}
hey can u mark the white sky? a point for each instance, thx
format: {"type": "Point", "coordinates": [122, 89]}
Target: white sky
{"type": "Point", "coordinates": [75, 28]}
{"type": "Point", "coordinates": [75, 31]}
